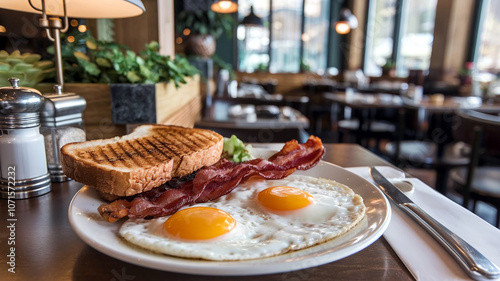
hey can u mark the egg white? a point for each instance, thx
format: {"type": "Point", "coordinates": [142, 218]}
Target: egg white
{"type": "Point", "coordinates": [260, 232]}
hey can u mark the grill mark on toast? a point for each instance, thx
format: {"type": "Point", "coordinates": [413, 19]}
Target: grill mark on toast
{"type": "Point", "coordinates": [194, 138]}
{"type": "Point", "coordinates": [187, 142]}
{"type": "Point", "coordinates": [210, 139]}
{"type": "Point", "coordinates": [180, 147]}
{"type": "Point", "coordinates": [126, 156]}
{"type": "Point", "coordinates": [167, 153]}
{"type": "Point", "coordinates": [92, 155]}
{"type": "Point", "coordinates": [171, 154]}
{"type": "Point", "coordinates": [177, 146]}
{"type": "Point", "coordinates": [118, 159]}
{"type": "Point", "coordinates": [103, 152]}
{"type": "Point", "coordinates": [138, 156]}
{"type": "Point", "coordinates": [131, 154]}
{"type": "Point", "coordinates": [95, 154]}
{"type": "Point", "coordinates": [156, 156]}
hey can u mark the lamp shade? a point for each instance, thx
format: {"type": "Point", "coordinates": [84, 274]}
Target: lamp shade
{"type": "Point", "coordinates": [79, 8]}
{"type": "Point", "coordinates": [252, 19]}
{"type": "Point", "coordinates": [224, 6]}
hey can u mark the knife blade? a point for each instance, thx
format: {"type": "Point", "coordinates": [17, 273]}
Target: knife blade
{"type": "Point", "coordinates": [475, 264]}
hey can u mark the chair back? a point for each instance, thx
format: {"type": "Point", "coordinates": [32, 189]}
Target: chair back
{"type": "Point", "coordinates": [482, 132]}
{"type": "Point", "coordinates": [486, 124]}
{"type": "Point", "coordinates": [412, 122]}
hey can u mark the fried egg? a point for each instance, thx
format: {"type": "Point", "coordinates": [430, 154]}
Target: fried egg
{"type": "Point", "coordinates": [259, 218]}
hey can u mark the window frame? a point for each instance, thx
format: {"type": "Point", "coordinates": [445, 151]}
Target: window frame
{"type": "Point", "coordinates": [334, 8]}
{"type": "Point", "coordinates": [397, 32]}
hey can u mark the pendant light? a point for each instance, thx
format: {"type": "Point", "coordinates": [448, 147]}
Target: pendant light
{"type": "Point", "coordinates": [252, 19]}
{"type": "Point", "coordinates": [53, 10]}
{"type": "Point", "coordinates": [346, 22]}
{"type": "Point", "coordinates": [224, 6]}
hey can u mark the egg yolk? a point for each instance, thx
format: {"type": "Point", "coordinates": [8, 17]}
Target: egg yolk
{"type": "Point", "coordinates": [199, 223]}
{"type": "Point", "coordinates": [284, 198]}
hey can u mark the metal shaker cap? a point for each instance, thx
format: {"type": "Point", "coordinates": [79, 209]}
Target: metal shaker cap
{"type": "Point", "coordinates": [19, 106]}
{"type": "Point", "coordinates": [62, 109]}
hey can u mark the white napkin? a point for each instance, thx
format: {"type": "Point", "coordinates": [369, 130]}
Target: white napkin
{"type": "Point", "coordinates": [422, 255]}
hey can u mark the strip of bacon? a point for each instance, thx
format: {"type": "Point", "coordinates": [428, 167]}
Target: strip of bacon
{"type": "Point", "coordinates": [215, 181]}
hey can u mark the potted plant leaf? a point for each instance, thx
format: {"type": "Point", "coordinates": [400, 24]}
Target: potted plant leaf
{"type": "Point", "coordinates": [122, 87]}
{"type": "Point", "coordinates": [27, 67]}
{"type": "Point", "coordinates": [89, 60]}
{"type": "Point", "coordinates": [389, 68]}
{"type": "Point", "coordinates": [201, 28]}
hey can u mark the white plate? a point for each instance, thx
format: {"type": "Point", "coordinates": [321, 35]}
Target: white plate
{"type": "Point", "coordinates": [103, 236]}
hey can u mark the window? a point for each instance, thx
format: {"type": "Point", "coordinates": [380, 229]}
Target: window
{"type": "Point", "coordinates": [488, 55]}
{"type": "Point", "coordinates": [253, 41]}
{"type": "Point", "coordinates": [399, 32]}
{"type": "Point", "coordinates": [380, 34]}
{"type": "Point", "coordinates": [294, 36]}
{"type": "Point", "coordinates": [316, 26]}
{"type": "Point", "coordinates": [417, 28]}
{"type": "Point", "coordinates": [286, 36]}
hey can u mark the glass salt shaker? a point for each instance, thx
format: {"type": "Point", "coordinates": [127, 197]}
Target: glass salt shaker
{"type": "Point", "coordinates": [23, 164]}
{"type": "Point", "coordinates": [62, 123]}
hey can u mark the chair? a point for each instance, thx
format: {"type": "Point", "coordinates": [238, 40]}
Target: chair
{"type": "Point", "coordinates": [317, 108]}
{"type": "Point", "coordinates": [368, 117]}
{"type": "Point", "coordinates": [480, 180]}
{"type": "Point", "coordinates": [369, 126]}
{"type": "Point", "coordinates": [435, 150]}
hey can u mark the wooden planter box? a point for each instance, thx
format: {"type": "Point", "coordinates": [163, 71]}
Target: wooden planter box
{"type": "Point", "coordinates": [161, 103]}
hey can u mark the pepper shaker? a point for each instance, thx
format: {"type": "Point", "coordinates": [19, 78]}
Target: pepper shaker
{"type": "Point", "coordinates": [62, 123]}
{"type": "Point", "coordinates": [23, 164]}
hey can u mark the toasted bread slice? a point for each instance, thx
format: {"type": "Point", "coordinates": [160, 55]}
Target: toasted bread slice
{"type": "Point", "coordinates": [146, 158]}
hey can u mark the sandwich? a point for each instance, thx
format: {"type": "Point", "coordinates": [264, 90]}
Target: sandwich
{"type": "Point", "coordinates": [148, 157]}
{"type": "Point", "coordinates": [135, 171]}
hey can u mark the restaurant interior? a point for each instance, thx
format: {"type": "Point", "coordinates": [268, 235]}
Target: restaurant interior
{"type": "Point", "coordinates": [413, 84]}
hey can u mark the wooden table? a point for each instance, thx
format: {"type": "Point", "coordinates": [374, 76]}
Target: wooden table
{"type": "Point", "coordinates": [46, 248]}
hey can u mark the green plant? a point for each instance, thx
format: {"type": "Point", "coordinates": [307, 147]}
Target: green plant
{"type": "Point", "coordinates": [88, 60]}
{"type": "Point", "coordinates": [27, 67]}
{"type": "Point", "coordinates": [205, 23]}
{"type": "Point", "coordinates": [304, 67]}
{"type": "Point", "coordinates": [262, 67]}
{"type": "Point", "coordinates": [389, 64]}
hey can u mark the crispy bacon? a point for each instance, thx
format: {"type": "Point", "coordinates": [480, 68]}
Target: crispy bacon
{"type": "Point", "coordinates": [215, 181]}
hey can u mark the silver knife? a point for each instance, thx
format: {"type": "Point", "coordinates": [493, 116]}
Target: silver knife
{"type": "Point", "coordinates": [477, 266]}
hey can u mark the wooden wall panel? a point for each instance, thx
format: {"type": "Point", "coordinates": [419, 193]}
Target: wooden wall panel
{"type": "Point", "coordinates": [451, 35]}
{"type": "Point", "coordinates": [185, 116]}
{"type": "Point", "coordinates": [166, 23]}
{"type": "Point", "coordinates": [170, 100]}
{"type": "Point", "coordinates": [136, 32]}
{"type": "Point", "coordinates": [357, 37]}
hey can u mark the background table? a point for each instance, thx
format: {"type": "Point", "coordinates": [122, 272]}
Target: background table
{"type": "Point", "coordinates": [367, 105]}
{"type": "Point", "coordinates": [437, 120]}
{"type": "Point", "coordinates": [251, 125]}
{"type": "Point", "coordinates": [47, 248]}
